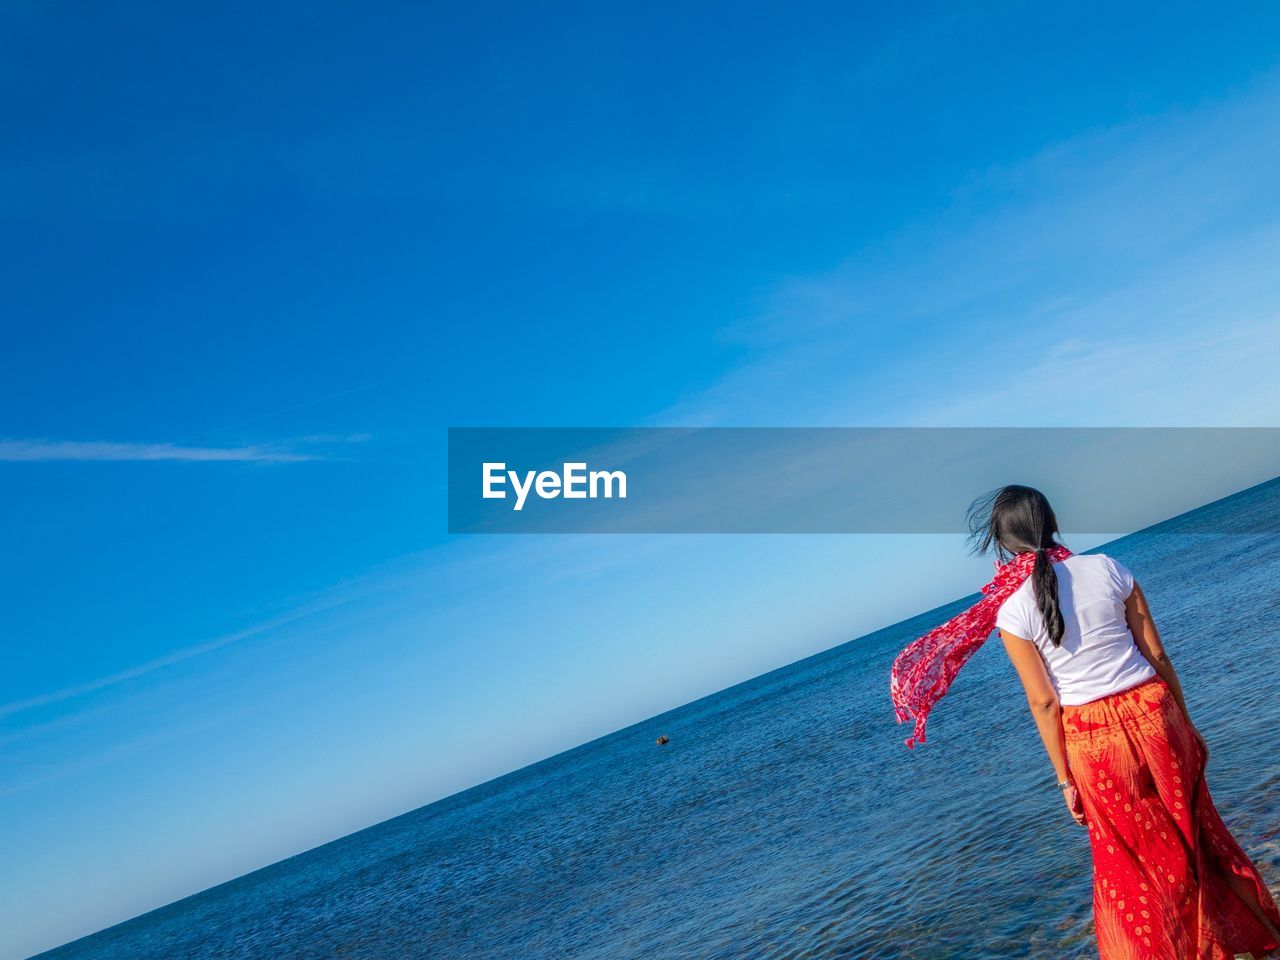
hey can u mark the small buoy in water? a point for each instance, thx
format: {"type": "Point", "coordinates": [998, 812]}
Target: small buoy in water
{"type": "Point", "coordinates": [663, 740]}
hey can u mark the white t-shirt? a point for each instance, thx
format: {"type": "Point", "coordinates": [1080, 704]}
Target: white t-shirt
{"type": "Point", "coordinates": [1097, 655]}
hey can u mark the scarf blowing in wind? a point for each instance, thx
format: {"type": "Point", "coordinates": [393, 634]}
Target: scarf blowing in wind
{"type": "Point", "coordinates": [923, 671]}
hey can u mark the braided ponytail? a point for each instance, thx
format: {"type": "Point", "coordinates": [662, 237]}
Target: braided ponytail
{"type": "Point", "coordinates": [1044, 581]}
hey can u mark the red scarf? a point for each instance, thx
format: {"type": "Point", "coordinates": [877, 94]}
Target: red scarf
{"type": "Point", "coordinates": [924, 670]}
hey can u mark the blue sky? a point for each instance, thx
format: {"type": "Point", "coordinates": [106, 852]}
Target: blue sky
{"type": "Point", "coordinates": [259, 261]}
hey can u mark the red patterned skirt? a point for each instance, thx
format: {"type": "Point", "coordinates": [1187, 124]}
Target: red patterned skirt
{"type": "Point", "coordinates": [1161, 853]}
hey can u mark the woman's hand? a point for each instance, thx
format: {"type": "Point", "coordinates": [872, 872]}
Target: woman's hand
{"type": "Point", "coordinates": [1072, 796]}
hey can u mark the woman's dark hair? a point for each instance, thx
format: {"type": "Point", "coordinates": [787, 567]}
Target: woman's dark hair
{"type": "Point", "coordinates": [1014, 520]}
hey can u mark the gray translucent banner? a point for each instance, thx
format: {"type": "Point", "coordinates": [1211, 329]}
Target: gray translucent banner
{"type": "Point", "coordinates": [840, 480]}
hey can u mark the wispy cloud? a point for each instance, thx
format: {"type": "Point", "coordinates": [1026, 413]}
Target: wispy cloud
{"type": "Point", "coordinates": [151, 666]}
{"type": "Point", "coordinates": [41, 451]}
{"type": "Point", "coordinates": [184, 449]}
{"type": "Point", "coordinates": [1113, 264]}
{"type": "Point", "coordinates": [164, 735]}
{"type": "Point", "coordinates": [373, 584]}
{"type": "Point", "coordinates": [369, 587]}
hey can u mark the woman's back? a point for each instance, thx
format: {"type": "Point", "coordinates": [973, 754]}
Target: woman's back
{"type": "Point", "coordinates": [1097, 655]}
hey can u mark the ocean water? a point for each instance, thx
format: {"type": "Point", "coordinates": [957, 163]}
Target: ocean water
{"type": "Point", "coordinates": [785, 819]}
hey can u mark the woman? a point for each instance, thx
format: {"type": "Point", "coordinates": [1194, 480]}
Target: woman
{"type": "Point", "coordinates": [1170, 882]}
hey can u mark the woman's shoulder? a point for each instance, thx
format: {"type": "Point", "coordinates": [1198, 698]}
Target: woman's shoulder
{"type": "Point", "coordinates": [1089, 560]}
{"type": "Point", "coordinates": [1093, 559]}
{"type": "Point", "coordinates": [1103, 565]}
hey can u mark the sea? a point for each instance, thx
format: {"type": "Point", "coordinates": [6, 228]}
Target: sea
{"type": "Point", "coordinates": [784, 818]}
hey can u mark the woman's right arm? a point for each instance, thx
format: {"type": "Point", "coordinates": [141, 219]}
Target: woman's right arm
{"type": "Point", "coordinates": [1147, 638]}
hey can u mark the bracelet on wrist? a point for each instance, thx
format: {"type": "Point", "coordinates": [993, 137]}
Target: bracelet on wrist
{"type": "Point", "coordinates": [1063, 784]}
